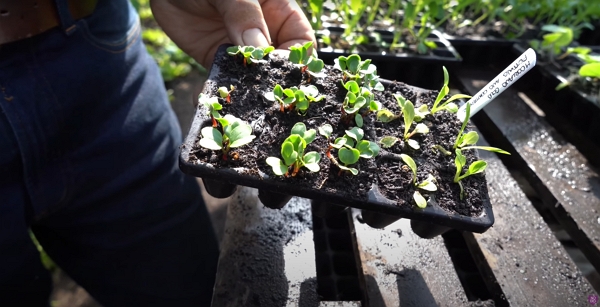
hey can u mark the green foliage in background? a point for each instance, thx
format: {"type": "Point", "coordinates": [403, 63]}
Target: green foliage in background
{"type": "Point", "coordinates": [173, 62]}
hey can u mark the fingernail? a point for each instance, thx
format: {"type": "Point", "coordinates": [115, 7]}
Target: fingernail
{"type": "Point", "coordinates": [254, 37]}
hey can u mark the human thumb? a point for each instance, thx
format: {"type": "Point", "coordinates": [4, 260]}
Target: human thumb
{"type": "Point", "coordinates": [244, 21]}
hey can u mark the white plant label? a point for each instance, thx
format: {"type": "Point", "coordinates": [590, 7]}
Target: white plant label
{"type": "Point", "coordinates": [506, 78]}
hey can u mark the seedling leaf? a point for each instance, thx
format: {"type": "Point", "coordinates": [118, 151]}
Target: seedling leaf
{"type": "Point", "coordinates": [477, 167]}
{"type": "Point", "coordinates": [388, 141]}
{"type": "Point", "coordinates": [488, 148]}
{"type": "Point", "coordinates": [409, 115]}
{"type": "Point", "coordinates": [469, 138]}
{"type": "Point", "coordinates": [413, 144]}
{"type": "Point", "coordinates": [420, 200]}
{"type": "Point", "coordinates": [385, 116]}
{"type": "Point", "coordinates": [299, 129]}
{"type": "Point", "coordinates": [348, 156]}
{"type": "Point", "coordinates": [326, 130]}
{"type": "Point", "coordinates": [211, 138]}
{"type": "Point", "coordinates": [311, 161]}
{"type": "Point", "coordinates": [278, 167]}
{"type": "Point", "coordinates": [355, 133]}
{"type": "Point", "coordinates": [411, 164]}
{"type": "Point", "coordinates": [427, 186]}
{"type": "Point", "coordinates": [421, 129]}
{"type": "Point", "coordinates": [358, 119]}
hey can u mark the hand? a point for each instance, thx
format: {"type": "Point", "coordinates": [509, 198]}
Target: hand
{"type": "Point", "coordinates": [198, 27]}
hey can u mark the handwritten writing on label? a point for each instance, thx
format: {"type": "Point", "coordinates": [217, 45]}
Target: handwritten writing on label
{"type": "Point", "coordinates": [506, 78]}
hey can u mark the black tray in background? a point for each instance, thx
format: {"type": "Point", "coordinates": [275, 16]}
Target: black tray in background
{"type": "Point", "coordinates": [483, 51]}
{"type": "Point", "coordinates": [376, 201]}
{"type": "Point", "coordinates": [580, 110]}
{"type": "Point", "coordinates": [421, 70]}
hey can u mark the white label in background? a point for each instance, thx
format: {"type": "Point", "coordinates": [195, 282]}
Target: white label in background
{"type": "Point", "coordinates": [506, 78]}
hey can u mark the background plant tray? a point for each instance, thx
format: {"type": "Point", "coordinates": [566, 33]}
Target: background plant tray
{"type": "Point", "coordinates": [570, 104]}
{"type": "Point", "coordinates": [404, 66]}
{"type": "Point", "coordinates": [373, 201]}
{"type": "Point", "coordinates": [482, 50]}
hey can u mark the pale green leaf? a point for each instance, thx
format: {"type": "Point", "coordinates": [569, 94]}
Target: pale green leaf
{"type": "Point", "coordinates": [358, 119]}
{"type": "Point", "coordinates": [278, 167]}
{"type": "Point", "coordinates": [469, 138]}
{"type": "Point", "coordinates": [421, 129]}
{"type": "Point", "coordinates": [210, 144]}
{"type": "Point", "coordinates": [411, 164]}
{"type": "Point", "coordinates": [355, 133]}
{"type": "Point", "coordinates": [477, 167]}
{"type": "Point", "coordinates": [420, 200]}
{"type": "Point", "coordinates": [409, 115]}
{"type": "Point", "coordinates": [385, 116]}
{"type": "Point", "coordinates": [326, 130]}
{"type": "Point", "coordinates": [299, 129]}
{"type": "Point", "coordinates": [427, 186]}
{"type": "Point", "coordinates": [388, 141]}
{"type": "Point", "coordinates": [413, 144]}
{"type": "Point", "coordinates": [590, 70]}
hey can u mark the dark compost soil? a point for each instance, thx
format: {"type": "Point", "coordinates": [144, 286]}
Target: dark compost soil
{"type": "Point", "coordinates": [271, 127]}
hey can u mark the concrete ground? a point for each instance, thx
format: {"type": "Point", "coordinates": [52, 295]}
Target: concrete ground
{"type": "Point", "coordinates": [185, 91]}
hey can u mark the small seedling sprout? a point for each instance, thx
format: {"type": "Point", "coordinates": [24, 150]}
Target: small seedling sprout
{"type": "Point", "coordinates": [299, 55]}
{"type": "Point", "coordinates": [212, 106]}
{"type": "Point", "coordinates": [235, 133]}
{"type": "Point", "coordinates": [326, 130]}
{"type": "Point", "coordinates": [386, 116]}
{"type": "Point", "coordinates": [409, 116]}
{"type": "Point", "coordinates": [469, 139]}
{"type": "Point", "coordinates": [226, 94]}
{"type": "Point", "coordinates": [250, 53]}
{"type": "Point", "coordinates": [298, 98]}
{"type": "Point", "coordinates": [292, 152]}
{"type": "Point", "coordinates": [475, 168]}
{"type": "Point", "coordinates": [448, 105]}
{"type": "Point", "coordinates": [362, 72]}
{"type": "Point", "coordinates": [427, 184]}
{"type": "Point", "coordinates": [351, 147]}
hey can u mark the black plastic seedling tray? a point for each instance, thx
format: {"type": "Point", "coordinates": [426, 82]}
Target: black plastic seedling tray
{"type": "Point", "coordinates": [405, 67]}
{"type": "Point", "coordinates": [483, 50]}
{"type": "Point", "coordinates": [569, 104]}
{"type": "Point", "coordinates": [378, 211]}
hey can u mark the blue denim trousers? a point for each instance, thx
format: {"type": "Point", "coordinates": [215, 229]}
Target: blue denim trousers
{"type": "Point", "coordinates": [89, 162]}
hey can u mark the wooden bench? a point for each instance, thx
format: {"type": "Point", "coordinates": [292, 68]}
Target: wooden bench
{"type": "Point", "coordinates": [276, 257]}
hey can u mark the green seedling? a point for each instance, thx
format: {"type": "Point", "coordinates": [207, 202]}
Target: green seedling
{"type": "Point", "coordinates": [299, 55]}
{"type": "Point", "coordinates": [292, 152]}
{"type": "Point", "coordinates": [295, 98]}
{"type": "Point", "coordinates": [251, 54]}
{"type": "Point", "coordinates": [427, 184]}
{"type": "Point", "coordinates": [357, 98]}
{"type": "Point", "coordinates": [316, 11]}
{"type": "Point", "coordinates": [212, 106]}
{"type": "Point", "coordinates": [363, 72]}
{"type": "Point", "coordinates": [409, 116]}
{"type": "Point", "coordinates": [326, 130]}
{"type": "Point", "coordinates": [448, 105]}
{"type": "Point", "coordinates": [590, 70]}
{"type": "Point", "coordinates": [234, 133]}
{"type": "Point", "coordinates": [226, 94]}
{"type": "Point", "coordinates": [469, 139]}
{"type": "Point", "coordinates": [351, 147]}
{"type": "Point", "coordinates": [475, 168]}
{"type": "Point", "coordinates": [558, 38]}
{"type": "Point", "coordinates": [387, 116]}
